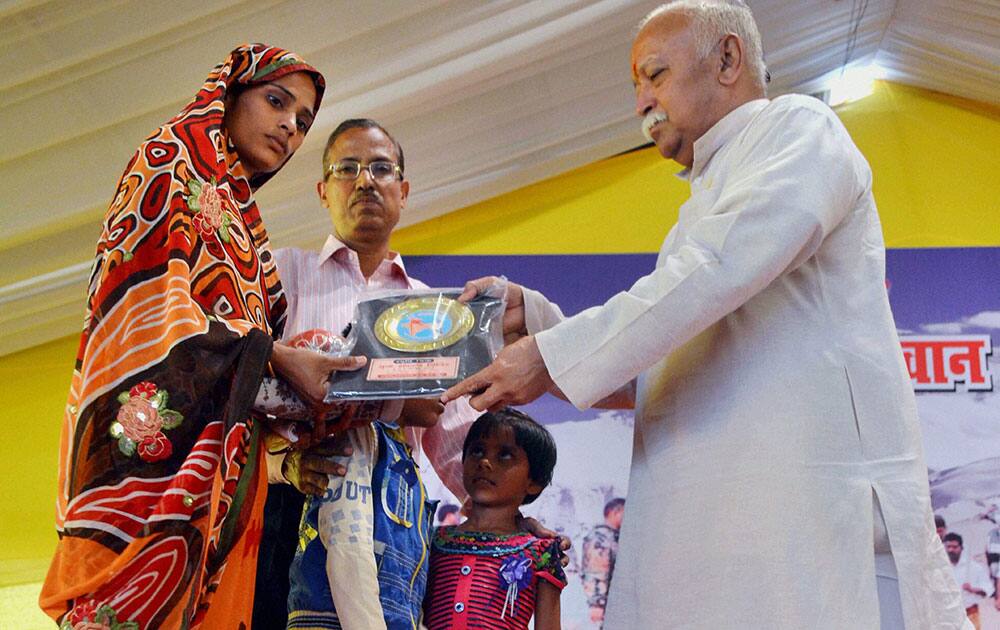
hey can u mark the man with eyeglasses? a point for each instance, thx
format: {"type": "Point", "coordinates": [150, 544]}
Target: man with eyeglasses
{"type": "Point", "coordinates": [364, 189]}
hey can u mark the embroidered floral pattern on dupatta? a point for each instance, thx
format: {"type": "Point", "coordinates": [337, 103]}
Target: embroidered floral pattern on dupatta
{"type": "Point", "coordinates": [210, 217]}
{"type": "Point", "coordinates": [89, 616]}
{"type": "Point", "coordinates": [140, 421]}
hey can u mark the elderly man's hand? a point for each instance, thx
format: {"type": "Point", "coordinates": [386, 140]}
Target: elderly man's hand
{"type": "Point", "coordinates": [514, 326]}
{"type": "Point", "coordinates": [308, 470]}
{"type": "Point", "coordinates": [517, 376]}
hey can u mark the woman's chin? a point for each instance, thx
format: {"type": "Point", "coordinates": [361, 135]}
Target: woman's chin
{"type": "Point", "coordinates": [260, 164]}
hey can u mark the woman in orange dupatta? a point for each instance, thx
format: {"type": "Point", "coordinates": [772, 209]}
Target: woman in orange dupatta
{"type": "Point", "coordinates": [161, 484]}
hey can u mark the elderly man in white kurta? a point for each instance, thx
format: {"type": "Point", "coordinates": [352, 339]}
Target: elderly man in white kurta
{"type": "Point", "coordinates": [777, 479]}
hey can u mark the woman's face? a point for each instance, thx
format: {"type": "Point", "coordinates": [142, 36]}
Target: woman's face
{"type": "Point", "coordinates": [268, 122]}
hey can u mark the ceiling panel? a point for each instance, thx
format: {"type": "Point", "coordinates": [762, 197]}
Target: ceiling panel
{"type": "Point", "coordinates": [485, 97]}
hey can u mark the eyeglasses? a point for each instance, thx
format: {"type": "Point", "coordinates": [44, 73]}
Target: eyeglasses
{"type": "Point", "coordinates": [380, 170]}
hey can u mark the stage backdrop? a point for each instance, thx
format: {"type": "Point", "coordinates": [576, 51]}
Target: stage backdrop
{"type": "Point", "coordinates": [934, 164]}
{"type": "Point", "coordinates": [947, 310]}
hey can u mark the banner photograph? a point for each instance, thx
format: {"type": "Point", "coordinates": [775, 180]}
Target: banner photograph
{"type": "Point", "coordinates": [948, 316]}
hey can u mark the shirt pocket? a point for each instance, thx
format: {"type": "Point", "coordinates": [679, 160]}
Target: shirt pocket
{"type": "Point", "coordinates": [397, 494]}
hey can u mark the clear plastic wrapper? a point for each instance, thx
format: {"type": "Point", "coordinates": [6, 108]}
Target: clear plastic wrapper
{"type": "Point", "coordinates": [290, 417]}
{"type": "Point", "coordinates": [420, 342]}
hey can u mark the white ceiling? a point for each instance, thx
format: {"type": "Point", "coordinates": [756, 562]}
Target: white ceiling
{"type": "Point", "coordinates": [485, 97]}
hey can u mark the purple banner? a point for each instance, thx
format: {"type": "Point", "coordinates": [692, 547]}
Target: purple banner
{"type": "Point", "coordinates": [947, 308]}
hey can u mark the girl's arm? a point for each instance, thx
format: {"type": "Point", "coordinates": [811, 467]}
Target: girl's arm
{"type": "Point", "coordinates": [547, 607]}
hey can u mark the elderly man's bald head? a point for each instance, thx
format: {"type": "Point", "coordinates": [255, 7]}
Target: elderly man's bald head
{"type": "Point", "coordinates": [691, 68]}
{"type": "Point", "coordinates": [711, 20]}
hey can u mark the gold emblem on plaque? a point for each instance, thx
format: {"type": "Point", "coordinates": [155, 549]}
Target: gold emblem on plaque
{"type": "Point", "coordinates": [423, 324]}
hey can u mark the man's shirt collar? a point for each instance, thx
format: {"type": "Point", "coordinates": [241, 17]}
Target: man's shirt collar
{"type": "Point", "coordinates": [719, 134]}
{"type": "Point", "coordinates": [336, 249]}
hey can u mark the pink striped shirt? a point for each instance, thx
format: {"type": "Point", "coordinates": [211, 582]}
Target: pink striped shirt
{"type": "Point", "coordinates": [322, 289]}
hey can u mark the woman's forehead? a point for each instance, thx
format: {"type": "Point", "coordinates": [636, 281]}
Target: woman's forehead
{"type": "Point", "coordinates": [300, 85]}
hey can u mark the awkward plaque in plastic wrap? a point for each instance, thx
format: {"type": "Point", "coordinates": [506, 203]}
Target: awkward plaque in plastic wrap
{"type": "Point", "coordinates": [419, 342]}
{"type": "Point", "coordinates": [289, 416]}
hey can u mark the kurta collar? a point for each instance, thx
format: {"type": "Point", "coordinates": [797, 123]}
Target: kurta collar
{"type": "Point", "coordinates": [334, 245]}
{"type": "Point", "coordinates": [720, 133]}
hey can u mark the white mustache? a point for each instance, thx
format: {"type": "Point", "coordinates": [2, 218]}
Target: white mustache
{"type": "Point", "coordinates": [649, 121]}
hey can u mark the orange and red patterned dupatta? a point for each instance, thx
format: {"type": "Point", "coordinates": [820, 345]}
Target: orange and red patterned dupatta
{"type": "Point", "coordinates": [160, 491]}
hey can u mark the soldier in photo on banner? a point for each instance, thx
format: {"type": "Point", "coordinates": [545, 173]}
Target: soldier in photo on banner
{"type": "Point", "coordinates": [600, 548]}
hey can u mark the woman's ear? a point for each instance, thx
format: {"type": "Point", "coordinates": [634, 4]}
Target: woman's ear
{"type": "Point", "coordinates": [233, 94]}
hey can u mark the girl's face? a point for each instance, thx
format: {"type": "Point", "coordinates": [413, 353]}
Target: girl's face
{"type": "Point", "coordinates": [267, 123]}
{"type": "Point", "coordinates": [495, 470]}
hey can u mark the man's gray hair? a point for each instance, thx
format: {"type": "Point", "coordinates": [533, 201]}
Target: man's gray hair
{"type": "Point", "coordinates": [711, 20]}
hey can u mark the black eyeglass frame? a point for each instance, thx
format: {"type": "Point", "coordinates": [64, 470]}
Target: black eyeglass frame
{"type": "Point", "coordinates": [397, 173]}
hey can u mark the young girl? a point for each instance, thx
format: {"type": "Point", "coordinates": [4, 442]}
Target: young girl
{"type": "Point", "coordinates": [487, 572]}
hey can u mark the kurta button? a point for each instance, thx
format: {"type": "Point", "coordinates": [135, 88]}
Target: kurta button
{"type": "Point", "coordinates": [466, 570]}
{"type": "Point", "coordinates": [459, 607]}
{"type": "Point", "coordinates": [188, 500]}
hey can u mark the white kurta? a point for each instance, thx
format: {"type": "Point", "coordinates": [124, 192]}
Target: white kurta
{"type": "Point", "coordinates": [772, 399]}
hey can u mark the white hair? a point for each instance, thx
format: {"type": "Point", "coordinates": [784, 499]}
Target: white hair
{"type": "Point", "coordinates": [711, 20]}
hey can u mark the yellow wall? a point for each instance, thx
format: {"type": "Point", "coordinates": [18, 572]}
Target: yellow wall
{"type": "Point", "coordinates": [32, 395]}
{"type": "Point", "coordinates": [935, 183]}
{"type": "Point", "coordinates": [934, 160]}
{"type": "Point", "coordinates": [33, 387]}
{"type": "Point", "coordinates": [933, 157]}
